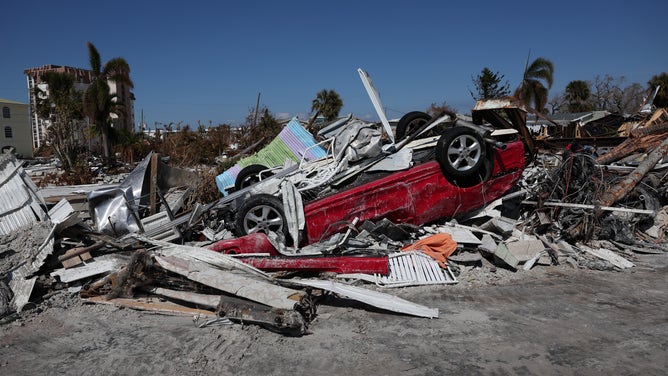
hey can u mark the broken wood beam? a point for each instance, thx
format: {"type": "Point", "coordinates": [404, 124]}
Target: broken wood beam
{"type": "Point", "coordinates": [204, 300]}
{"type": "Point", "coordinates": [630, 146]}
{"type": "Point", "coordinates": [624, 187]}
{"type": "Point", "coordinates": [70, 258]}
{"type": "Point", "coordinates": [152, 305]}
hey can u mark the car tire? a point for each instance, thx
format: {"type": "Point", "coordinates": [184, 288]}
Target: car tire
{"type": "Point", "coordinates": [410, 123]}
{"type": "Point", "coordinates": [249, 175]}
{"type": "Point", "coordinates": [461, 152]}
{"type": "Point", "coordinates": [261, 213]}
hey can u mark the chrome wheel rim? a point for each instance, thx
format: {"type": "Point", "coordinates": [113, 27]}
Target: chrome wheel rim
{"type": "Point", "coordinates": [263, 218]}
{"type": "Point", "coordinates": [464, 152]}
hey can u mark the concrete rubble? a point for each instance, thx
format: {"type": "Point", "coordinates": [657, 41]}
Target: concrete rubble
{"type": "Point", "coordinates": [130, 245]}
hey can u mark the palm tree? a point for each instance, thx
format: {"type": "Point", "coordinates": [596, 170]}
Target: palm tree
{"type": "Point", "coordinates": [99, 103]}
{"type": "Point", "coordinates": [326, 103]}
{"type": "Point", "coordinates": [577, 94]}
{"type": "Point", "coordinates": [61, 105]}
{"type": "Point", "coordinates": [532, 88]}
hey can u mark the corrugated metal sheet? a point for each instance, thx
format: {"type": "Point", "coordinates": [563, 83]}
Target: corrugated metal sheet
{"type": "Point", "coordinates": [413, 269]}
{"type": "Point", "coordinates": [20, 204]}
{"type": "Point", "coordinates": [292, 143]}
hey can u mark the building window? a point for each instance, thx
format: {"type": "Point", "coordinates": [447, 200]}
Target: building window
{"type": "Point", "coordinates": [5, 112]}
{"type": "Point", "coordinates": [8, 131]}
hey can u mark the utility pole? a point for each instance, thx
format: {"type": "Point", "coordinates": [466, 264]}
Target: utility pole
{"type": "Point", "coordinates": [257, 105]}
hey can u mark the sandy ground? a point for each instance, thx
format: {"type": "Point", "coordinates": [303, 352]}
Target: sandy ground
{"type": "Point", "coordinates": [551, 320]}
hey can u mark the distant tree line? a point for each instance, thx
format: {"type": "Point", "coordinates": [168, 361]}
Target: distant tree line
{"type": "Point", "coordinates": [604, 93]}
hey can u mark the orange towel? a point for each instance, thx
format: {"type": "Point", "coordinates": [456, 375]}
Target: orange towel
{"type": "Point", "coordinates": [438, 247]}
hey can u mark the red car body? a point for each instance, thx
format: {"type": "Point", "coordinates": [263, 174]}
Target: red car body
{"type": "Point", "coordinates": [419, 195]}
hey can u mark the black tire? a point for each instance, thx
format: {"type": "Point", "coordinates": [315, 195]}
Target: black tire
{"type": "Point", "coordinates": [250, 175]}
{"type": "Point", "coordinates": [261, 213]}
{"type": "Point", "coordinates": [461, 152]}
{"type": "Point", "coordinates": [411, 122]}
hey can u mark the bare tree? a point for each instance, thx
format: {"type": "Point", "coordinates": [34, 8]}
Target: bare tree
{"type": "Point", "coordinates": [557, 104]}
{"type": "Point", "coordinates": [628, 100]}
{"type": "Point", "coordinates": [601, 95]}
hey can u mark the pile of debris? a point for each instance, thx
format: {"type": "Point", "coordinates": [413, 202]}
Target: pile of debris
{"type": "Point", "coordinates": [445, 198]}
{"type": "Point", "coordinates": [577, 212]}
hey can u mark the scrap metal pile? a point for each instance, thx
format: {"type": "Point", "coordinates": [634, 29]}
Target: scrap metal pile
{"type": "Point", "coordinates": [362, 216]}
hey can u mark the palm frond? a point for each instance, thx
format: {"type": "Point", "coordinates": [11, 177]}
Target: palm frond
{"type": "Point", "coordinates": [95, 60]}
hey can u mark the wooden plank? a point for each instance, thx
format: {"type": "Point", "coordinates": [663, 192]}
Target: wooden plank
{"type": "Point", "coordinates": [152, 305]}
{"type": "Point", "coordinates": [98, 266]}
{"type": "Point", "coordinates": [205, 300]}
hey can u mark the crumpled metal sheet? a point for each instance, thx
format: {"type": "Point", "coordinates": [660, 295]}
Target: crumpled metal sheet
{"type": "Point", "coordinates": [293, 208]}
{"type": "Point", "coordinates": [116, 210]}
{"type": "Point", "coordinates": [359, 140]}
{"type": "Point", "coordinates": [20, 203]}
{"type": "Point", "coordinates": [112, 211]}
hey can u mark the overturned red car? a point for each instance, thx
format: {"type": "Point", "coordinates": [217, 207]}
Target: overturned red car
{"type": "Point", "coordinates": [468, 167]}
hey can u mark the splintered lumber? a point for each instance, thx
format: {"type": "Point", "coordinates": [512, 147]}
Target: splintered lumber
{"type": "Point", "coordinates": [152, 305]}
{"type": "Point", "coordinates": [76, 256]}
{"type": "Point", "coordinates": [623, 188]}
{"type": "Point", "coordinates": [630, 146]}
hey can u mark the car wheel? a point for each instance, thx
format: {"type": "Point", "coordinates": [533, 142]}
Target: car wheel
{"type": "Point", "coordinates": [461, 152]}
{"type": "Point", "coordinates": [250, 175]}
{"type": "Point", "coordinates": [410, 123]}
{"type": "Point", "coordinates": [261, 213]}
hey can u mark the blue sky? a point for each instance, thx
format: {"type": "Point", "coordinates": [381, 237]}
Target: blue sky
{"type": "Point", "coordinates": [207, 61]}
